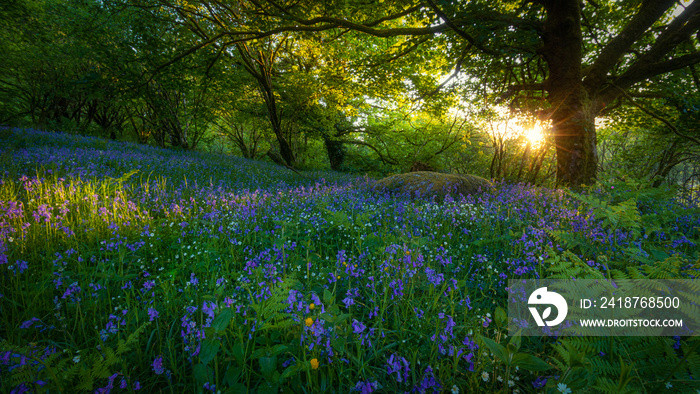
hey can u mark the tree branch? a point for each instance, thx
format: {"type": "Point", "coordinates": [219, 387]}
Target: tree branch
{"type": "Point", "coordinates": [513, 89]}
{"type": "Point", "coordinates": [331, 23]}
{"type": "Point", "coordinates": [309, 25]}
{"type": "Point", "coordinates": [183, 55]}
{"type": "Point", "coordinates": [657, 117]}
{"type": "Point", "coordinates": [642, 73]}
{"type": "Point", "coordinates": [652, 62]}
{"type": "Point", "coordinates": [405, 52]}
{"type": "Point", "coordinates": [381, 157]}
{"type": "Point", "coordinates": [458, 30]}
{"type": "Point", "coordinates": [649, 13]}
{"type": "Point", "coordinates": [458, 67]}
{"type": "Point", "coordinates": [400, 14]}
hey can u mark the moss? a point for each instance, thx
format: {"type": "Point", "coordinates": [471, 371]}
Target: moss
{"type": "Point", "coordinates": [426, 184]}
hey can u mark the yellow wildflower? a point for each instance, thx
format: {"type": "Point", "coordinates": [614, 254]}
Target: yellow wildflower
{"type": "Point", "coordinates": [309, 321]}
{"type": "Point", "coordinates": [314, 363]}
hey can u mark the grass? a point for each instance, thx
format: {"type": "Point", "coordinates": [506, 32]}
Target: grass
{"type": "Point", "coordinates": [130, 268]}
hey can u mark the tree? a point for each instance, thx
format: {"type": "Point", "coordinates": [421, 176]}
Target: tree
{"type": "Point", "coordinates": [567, 59]}
{"type": "Point", "coordinates": [176, 108]}
{"type": "Point", "coordinates": [241, 117]}
{"type": "Point", "coordinates": [404, 141]}
{"type": "Point", "coordinates": [662, 126]}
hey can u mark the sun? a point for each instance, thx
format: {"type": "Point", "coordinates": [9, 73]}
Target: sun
{"type": "Point", "coordinates": [508, 126]}
{"type": "Point", "coordinates": [519, 128]}
{"type": "Point", "coordinates": [534, 134]}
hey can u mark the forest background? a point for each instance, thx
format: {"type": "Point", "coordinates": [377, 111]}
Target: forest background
{"type": "Point", "coordinates": [546, 92]}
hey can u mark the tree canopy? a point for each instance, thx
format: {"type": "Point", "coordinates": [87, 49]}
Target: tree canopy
{"type": "Point", "coordinates": [318, 70]}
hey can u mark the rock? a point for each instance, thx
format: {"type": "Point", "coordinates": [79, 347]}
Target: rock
{"type": "Point", "coordinates": [426, 184]}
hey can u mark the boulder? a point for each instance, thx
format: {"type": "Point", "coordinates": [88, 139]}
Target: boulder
{"type": "Point", "coordinates": [426, 184]}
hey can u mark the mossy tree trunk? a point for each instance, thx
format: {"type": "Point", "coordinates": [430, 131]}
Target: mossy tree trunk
{"type": "Point", "coordinates": [573, 121]}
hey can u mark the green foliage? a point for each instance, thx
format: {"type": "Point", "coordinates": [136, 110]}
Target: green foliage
{"type": "Point", "coordinates": [77, 371]}
{"type": "Point", "coordinates": [638, 215]}
{"type": "Point", "coordinates": [199, 270]}
{"type": "Point", "coordinates": [510, 357]}
{"type": "Point", "coordinates": [629, 364]}
{"type": "Point", "coordinates": [270, 311]}
{"type": "Point", "coordinates": [374, 100]}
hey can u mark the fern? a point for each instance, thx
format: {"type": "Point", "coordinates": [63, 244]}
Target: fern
{"type": "Point", "coordinates": [96, 365]}
{"type": "Point", "coordinates": [271, 310]}
{"type": "Point", "coordinates": [644, 357]}
{"type": "Point", "coordinates": [623, 216]}
{"type": "Point", "coordinates": [568, 265]}
{"type": "Point", "coordinates": [630, 364]}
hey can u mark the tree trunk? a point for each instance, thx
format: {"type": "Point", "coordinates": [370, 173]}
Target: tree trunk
{"type": "Point", "coordinates": [571, 113]}
{"type": "Point", "coordinates": [263, 75]}
{"type": "Point", "coordinates": [575, 139]}
{"type": "Point", "coordinates": [335, 150]}
{"type": "Point", "coordinates": [669, 159]}
{"type": "Point", "coordinates": [285, 148]}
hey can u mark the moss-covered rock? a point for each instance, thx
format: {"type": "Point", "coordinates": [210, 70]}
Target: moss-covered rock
{"type": "Point", "coordinates": [426, 184]}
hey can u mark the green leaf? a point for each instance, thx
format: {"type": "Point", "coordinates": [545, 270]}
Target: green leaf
{"type": "Point", "coordinates": [289, 372]}
{"type": "Point", "coordinates": [278, 349]}
{"type": "Point", "coordinates": [209, 349]}
{"type": "Point", "coordinates": [578, 378]}
{"type": "Point", "coordinates": [231, 376]}
{"type": "Point", "coordinates": [342, 318]}
{"type": "Point", "coordinates": [267, 388]}
{"type": "Point", "coordinates": [237, 388]}
{"type": "Point", "coordinates": [500, 317]}
{"type": "Point", "coordinates": [511, 348]}
{"type": "Point", "coordinates": [339, 345]}
{"type": "Point", "coordinates": [328, 297]}
{"type": "Point", "coordinates": [200, 373]}
{"type": "Point", "coordinates": [497, 349]}
{"type": "Point", "coordinates": [268, 365]}
{"type": "Point", "coordinates": [516, 340]}
{"type": "Point", "coordinates": [530, 362]}
{"type": "Point", "coordinates": [222, 320]}
{"type": "Point", "coordinates": [238, 353]}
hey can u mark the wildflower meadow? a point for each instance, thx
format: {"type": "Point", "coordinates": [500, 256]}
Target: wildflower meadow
{"type": "Point", "coordinates": [129, 268]}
